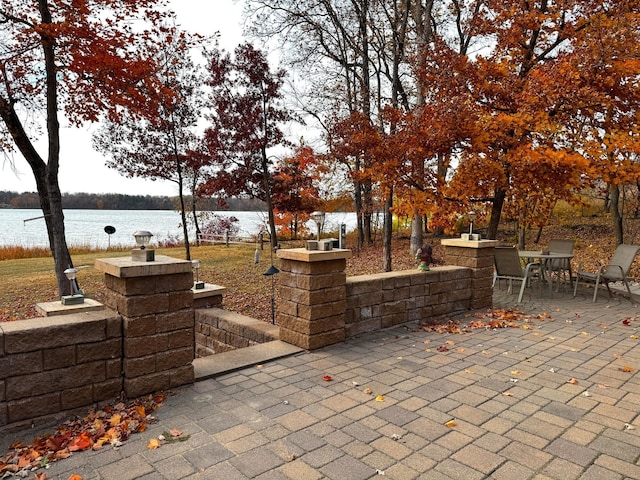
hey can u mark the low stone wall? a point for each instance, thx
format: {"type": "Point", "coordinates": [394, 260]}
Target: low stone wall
{"type": "Point", "coordinates": [51, 366]}
{"type": "Point", "coordinates": [219, 330]}
{"type": "Point", "coordinates": [386, 299]}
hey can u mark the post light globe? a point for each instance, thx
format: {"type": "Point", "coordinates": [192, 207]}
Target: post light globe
{"type": "Point", "coordinates": [195, 265]}
{"type": "Point", "coordinates": [143, 237]}
{"type": "Point", "coordinates": [71, 273]}
{"type": "Point", "coordinates": [318, 217]}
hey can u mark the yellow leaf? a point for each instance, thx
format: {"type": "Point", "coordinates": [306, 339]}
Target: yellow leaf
{"type": "Point", "coordinates": [515, 372]}
{"type": "Point", "coordinates": [153, 444]}
{"type": "Point", "coordinates": [115, 420]}
{"type": "Point", "coordinates": [450, 424]}
{"type": "Point", "coordinates": [635, 337]}
{"type": "Point", "coordinates": [450, 342]}
{"type": "Point", "coordinates": [526, 327]}
{"type": "Point", "coordinates": [380, 398]}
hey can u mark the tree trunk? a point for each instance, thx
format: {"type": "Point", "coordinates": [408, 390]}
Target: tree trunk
{"type": "Point", "coordinates": [616, 215]}
{"type": "Point", "coordinates": [496, 212]}
{"type": "Point", "coordinates": [387, 233]}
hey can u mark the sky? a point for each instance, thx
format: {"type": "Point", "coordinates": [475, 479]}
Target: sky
{"type": "Point", "coordinates": [82, 169]}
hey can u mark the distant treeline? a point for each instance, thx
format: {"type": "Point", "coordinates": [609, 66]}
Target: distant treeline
{"type": "Point", "coordinates": [116, 201]}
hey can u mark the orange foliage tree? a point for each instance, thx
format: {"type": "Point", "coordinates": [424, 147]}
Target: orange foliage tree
{"type": "Point", "coordinates": [77, 60]}
{"type": "Point", "coordinates": [295, 193]}
{"type": "Point", "coordinates": [520, 91]}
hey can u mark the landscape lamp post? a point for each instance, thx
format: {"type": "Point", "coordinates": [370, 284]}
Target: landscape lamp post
{"type": "Point", "coordinates": [318, 217]}
{"type": "Point", "coordinates": [74, 298]}
{"type": "Point", "coordinates": [142, 253]}
{"type": "Point", "coordinates": [271, 273]}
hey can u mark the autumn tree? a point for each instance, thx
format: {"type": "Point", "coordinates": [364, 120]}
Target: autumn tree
{"type": "Point", "coordinates": [295, 192]}
{"type": "Point", "coordinates": [163, 143]}
{"type": "Point", "coordinates": [75, 61]}
{"type": "Point", "coordinates": [518, 152]}
{"type": "Point", "coordinates": [246, 120]}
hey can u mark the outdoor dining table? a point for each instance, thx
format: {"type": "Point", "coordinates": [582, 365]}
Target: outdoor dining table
{"type": "Point", "coordinates": [544, 258]}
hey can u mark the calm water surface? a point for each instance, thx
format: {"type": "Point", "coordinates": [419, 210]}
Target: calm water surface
{"type": "Point", "coordinates": [86, 227]}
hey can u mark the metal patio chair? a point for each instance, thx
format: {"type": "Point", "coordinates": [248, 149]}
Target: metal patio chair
{"type": "Point", "coordinates": [508, 267]}
{"type": "Point", "coordinates": [615, 271]}
{"type": "Point", "coordinates": [562, 266]}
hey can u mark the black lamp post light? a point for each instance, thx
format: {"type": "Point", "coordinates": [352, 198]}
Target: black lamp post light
{"type": "Point", "coordinates": [271, 272]}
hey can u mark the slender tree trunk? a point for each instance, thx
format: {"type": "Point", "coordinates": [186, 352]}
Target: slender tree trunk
{"type": "Point", "coordinates": [496, 213]}
{"type": "Point", "coordinates": [387, 233]}
{"type": "Point", "coordinates": [616, 215]}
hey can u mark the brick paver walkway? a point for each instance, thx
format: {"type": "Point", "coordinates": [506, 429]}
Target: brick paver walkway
{"type": "Point", "coordinates": [547, 401]}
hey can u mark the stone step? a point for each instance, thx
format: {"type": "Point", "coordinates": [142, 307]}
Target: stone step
{"type": "Point", "coordinates": [215, 365]}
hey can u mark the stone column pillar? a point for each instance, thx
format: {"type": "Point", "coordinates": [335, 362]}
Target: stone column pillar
{"type": "Point", "coordinates": [156, 303]}
{"type": "Point", "coordinates": [477, 255]}
{"type": "Point", "coordinates": [312, 296]}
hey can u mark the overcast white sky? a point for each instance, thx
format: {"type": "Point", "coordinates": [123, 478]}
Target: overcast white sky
{"type": "Point", "coordinates": [81, 168]}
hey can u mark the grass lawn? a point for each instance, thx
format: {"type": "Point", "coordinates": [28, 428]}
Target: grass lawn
{"type": "Point", "coordinates": [25, 282]}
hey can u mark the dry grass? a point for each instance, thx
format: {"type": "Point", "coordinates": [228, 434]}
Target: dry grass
{"type": "Point", "coordinates": [27, 281]}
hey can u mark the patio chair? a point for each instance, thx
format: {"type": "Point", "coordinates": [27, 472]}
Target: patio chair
{"type": "Point", "coordinates": [615, 271]}
{"type": "Point", "coordinates": [508, 267]}
{"type": "Point", "coordinates": [562, 266]}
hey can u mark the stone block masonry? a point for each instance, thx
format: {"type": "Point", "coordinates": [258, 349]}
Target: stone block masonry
{"type": "Point", "coordinates": [53, 365]}
{"type": "Point", "coordinates": [319, 305]}
{"type": "Point", "coordinates": [156, 304]}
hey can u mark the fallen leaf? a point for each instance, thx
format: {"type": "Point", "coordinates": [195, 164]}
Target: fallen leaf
{"type": "Point", "coordinates": [380, 398]}
{"type": "Point", "coordinates": [635, 337]}
{"type": "Point", "coordinates": [327, 378]}
{"type": "Point", "coordinates": [153, 444]}
{"type": "Point", "coordinates": [175, 433]}
{"type": "Point", "coordinates": [572, 381]}
{"type": "Point", "coordinates": [368, 391]}
{"type": "Point", "coordinates": [460, 349]}
{"type": "Point", "coordinates": [468, 371]}
{"type": "Point", "coordinates": [602, 386]}
{"type": "Point", "coordinates": [427, 341]}
{"type": "Point", "coordinates": [626, 321]}
{"type": "Point", "coordinates": [626, 368]}
{"type": "Point", "coordinates": [515, 372]}
{"type": "Point", "coordinates": [450, 424]}
{"type": "Point", "coordinates": [586, 393]}
{"type": "Point", "coordinates": [451, 342]}
{"type": "Point", "coordinates": [115, 420]}
{"type": "Point", "coordinates": [507, 394]}
{"type": "Point", "coordinates": [75, 476]}
{"type": "Point", "coordinates": [443, 348]}
{"type": "Point", "coordinates": [42, 476]}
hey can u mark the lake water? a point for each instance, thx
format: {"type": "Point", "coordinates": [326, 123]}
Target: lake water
{"type": "Point", "coordinates": [86, 227]}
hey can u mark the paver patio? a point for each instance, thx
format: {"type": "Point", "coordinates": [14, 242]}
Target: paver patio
{"type": "Point", "coordinates": [548, 400]}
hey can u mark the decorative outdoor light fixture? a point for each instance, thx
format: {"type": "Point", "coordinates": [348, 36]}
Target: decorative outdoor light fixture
{"type": "Point", "coordinates": [318, 217]}
{"type": "Point", "coordinates": [472, 217]}
{"type": "Point", "coordinates": [142, 253]}
{"type": "Point", "coordinates": [76, 297]}
{"type": "Point", "coordinates": [197, 284]}
{"type": "Point", "coordinates": [471, 235]}
{"type": "Point", "coordinates": [271, 273]}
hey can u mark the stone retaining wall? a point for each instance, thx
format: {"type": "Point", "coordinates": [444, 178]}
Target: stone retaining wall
{"type": "Point", "coordinates": [219, 330]}
{"type": "Point", "coordinates": [387, 299]}
{"type": "Point", "coordinates": [53, 365]}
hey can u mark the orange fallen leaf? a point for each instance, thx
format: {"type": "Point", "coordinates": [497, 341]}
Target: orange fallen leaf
{"type": "Point", "coordinates": [460, 349]}
{"type": "Point", "coordinates": [115, 420]}
{"type": "Point", "coordinates": [572, 381]}
{"type": "Point", "coordinates": [42, 476]}
{"type": "Point", "coordinates": [635, 337]}
{"type": "Point", "coordinates": [626, 368]}
{"type": "Point", "coordinates": [450, 424]}
{"type": "Point", "coordinates": [443, 348]}
{"type": "Point", "coordinates": [450, 342]}
{"type": "Point", "coordinates": [75, 476]}
{"type": "Point", "coordinates": [427, 341]}
{"type": "Point", "coordinates": [368, 391]}
{"type": "Point", "coordinates": [468, 371]}
{"type": "Point", "coordinates": [327, 378]}
{"type": "Point", "coordinates": [153, 444]}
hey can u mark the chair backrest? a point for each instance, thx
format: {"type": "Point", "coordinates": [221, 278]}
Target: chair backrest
{"type": "Point", "coordinates": [561, 246]}
{"type": "Point", "coordinates": [623, 256]}
{"type": "Point", "coordinates": [507, 262]}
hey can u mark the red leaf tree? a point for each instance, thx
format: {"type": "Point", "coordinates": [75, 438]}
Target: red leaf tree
{"type": "Point", "coordinates": [247, 113]}
{"type": "Point", "coordinates": [68, 59]}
